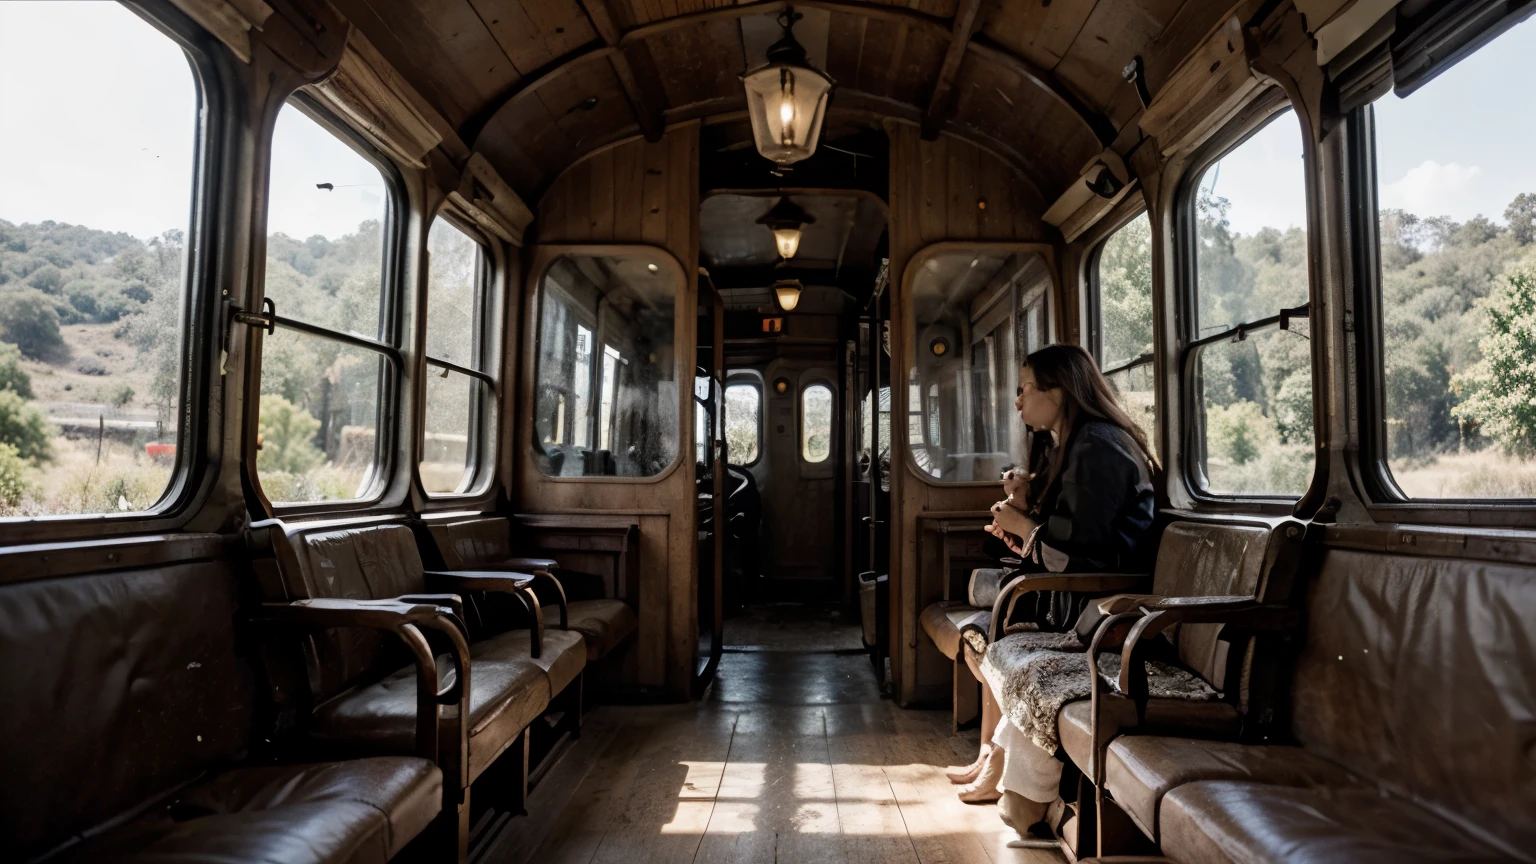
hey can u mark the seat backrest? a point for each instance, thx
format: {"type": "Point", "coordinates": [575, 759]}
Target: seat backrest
{"type": "Point", "coordinates": [465, 543]}
{"type": "Point", "coordinates": [359, 559]}
{"type": "Point", "coordinates": [1218, 558]}
{"type": "Point", "coordinates": [1420, 673]}
{"type": "Point", "coordinates": [118, 688]}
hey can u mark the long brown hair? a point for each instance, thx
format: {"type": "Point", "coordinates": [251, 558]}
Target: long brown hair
{"type": "Point", "coordinates": [1087, 395]}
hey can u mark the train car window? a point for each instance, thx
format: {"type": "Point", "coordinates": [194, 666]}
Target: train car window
{"type": "Point", "coordinates": [102, 119]}
{"type": "Point", "coordinates": [976, 314]}
{"type": "Point", "coordinates": [459, 434]}
{"type": "Point", "coordinates": [326, 370]}
{"type": "Point", "coordinates": [816, 423]}
{"type": "Point", "coordinates": [1251, 351]}
{"type": "Point", "coordinates": [605, 336]}
{"type": "Point", "coordinates": [743, 424]}
{"type": "Point", "coordinates": [1123, 279]}
{"type": "Point", "coordinates": [1456, 197]}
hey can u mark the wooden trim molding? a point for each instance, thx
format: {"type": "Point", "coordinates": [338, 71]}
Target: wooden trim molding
{"type": "Point", "coordinates": [374, 99]}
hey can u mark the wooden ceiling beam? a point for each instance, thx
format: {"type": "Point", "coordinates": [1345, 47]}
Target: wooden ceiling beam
{"type": "Point", "coordinates": [968, 20]}
{"type": "Point", "coordinates": [615, 41]}
{"type": "Point", "coordinates": [647, 107]}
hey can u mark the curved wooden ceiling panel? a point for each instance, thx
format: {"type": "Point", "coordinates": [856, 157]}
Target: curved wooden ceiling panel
{"type": "Point", "coordinates": [535, 84]}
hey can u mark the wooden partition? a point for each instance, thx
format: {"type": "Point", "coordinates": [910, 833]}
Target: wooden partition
{"type": "Point", "coordinates": [635, 193]}
{"type": "Point", "coordinates": [945, 190]}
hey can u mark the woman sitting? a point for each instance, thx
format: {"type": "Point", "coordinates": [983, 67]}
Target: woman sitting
{"type": "Point", "coordinates": [1085, 504]}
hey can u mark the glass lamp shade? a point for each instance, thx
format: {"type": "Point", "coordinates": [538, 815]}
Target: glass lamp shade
{"type": "Point", "coordinates": [787, 104]}
{"type": "Point", "coordinates": [788, 241]}
{"type": "Point", "coordinates": [788, 292]}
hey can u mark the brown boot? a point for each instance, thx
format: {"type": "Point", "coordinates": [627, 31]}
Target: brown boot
{"type": "Point", "coordinates": [963, 774]}
{"type": "Point", "coordinates": [983, 790]}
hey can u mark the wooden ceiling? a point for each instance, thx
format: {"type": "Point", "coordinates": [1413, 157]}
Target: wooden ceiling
{"type": "Point", "coordinates": [535, 84]}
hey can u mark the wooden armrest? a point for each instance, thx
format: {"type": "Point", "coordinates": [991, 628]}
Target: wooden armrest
{"type": "Point", "coordinates": [1118, 603]}
{"type": "Point", "coordinates": [519, 585]}
{"type": "Point", "coordinates": [406, 618]}
{"type": "Point", "coordinates": [1234, 601]}
{"type": "Point", "coordinates": [500, 581]}
{"type": "Point", "coordinates": [1244, 614]}
{"type": "Point", "coordinates": [1002, 608]}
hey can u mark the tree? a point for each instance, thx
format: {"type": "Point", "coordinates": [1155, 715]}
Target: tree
{"type": "Point", "coordinates": [287, 437]}
{"type": "Point", "coordinates": [1125, 292]}
{"type": "Point", "coordinates": [14, 486]}
{"type": "Point", "coordinates": [23, 427]}
{"type": "Point", "coordinates": [31, 323]}
{"type": "Point", "coordinates": [1521, 214]}
{"type": "Point", "coordinates": [1501, 387]}
{"type": "Point", "coordinates": [46, 279]}
{"type": "Point", "coordinates": [12, 376]}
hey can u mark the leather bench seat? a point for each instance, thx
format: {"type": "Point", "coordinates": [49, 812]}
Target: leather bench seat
{"type": "Point", "coordinates": [943, 621]}
{"type": "Point", "coordinates": [359, 812]}
{"type": "Point", "coordinates": [1140, 769]}
{"type": "Point", "coordinates": [508, 690]}
{"type": "Point", "coordinates": [602, 623]}
{"type": "Point", "coordinates": [1242, 821]}
{"type": "Point", "coordinates": [1074, 721]}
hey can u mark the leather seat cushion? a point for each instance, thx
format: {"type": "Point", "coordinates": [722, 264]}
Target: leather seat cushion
{"type": "Point", "coordinates": [1164, 716]}
{"type": "Point", "coordinates": [507, 691]}
{"type": "Point", "coordinates": [562, 658]}
{"type": "Point", "coordinates": [603, 624]}
{"type": "Point", "coordinates": [358, 812]}
{"type": "Point", "coordinates": [1140, 769]}
{"type": "Point", "coordinates": [1231, 820]}
{"type": "Point", "coordinates": [942, 622]}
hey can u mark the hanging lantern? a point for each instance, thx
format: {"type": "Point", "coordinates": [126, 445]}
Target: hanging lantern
{"type": "Point", "coordinates": [785, 220]}
{"type": "Point", "coordinates": [786, 99]}
{"type": "Point", "coordinates": [788, 293]}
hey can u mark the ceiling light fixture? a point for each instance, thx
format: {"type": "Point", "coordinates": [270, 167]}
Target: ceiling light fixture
{"type": "Point", "coordinates": [786, 98]}
{"type": "Point", "coordinates": [785, 220]}
{"type": "Point", "coordinates": [788, 293]}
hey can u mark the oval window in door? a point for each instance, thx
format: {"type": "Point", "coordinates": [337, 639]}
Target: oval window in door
{"type": "Point", "coordinates": [816, 423]}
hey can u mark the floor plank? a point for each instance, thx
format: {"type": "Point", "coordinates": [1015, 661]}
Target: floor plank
{"type": "Point", "coordinates": [792, 756]}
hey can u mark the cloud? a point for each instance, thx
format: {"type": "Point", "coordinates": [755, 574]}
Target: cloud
{"type": "Point", "coordinates": [1432, 189]}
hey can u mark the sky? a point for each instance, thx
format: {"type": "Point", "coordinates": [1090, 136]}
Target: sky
{"type": "Point", "coordinates": [1457, 147]}
{"type": "Point", "coordinates": [109, 115]}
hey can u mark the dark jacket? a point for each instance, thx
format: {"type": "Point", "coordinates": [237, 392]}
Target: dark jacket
{"type": "Point", "coordinates": [1100, 508]}
{"type": "Point", "coordinates": [1098, 511]}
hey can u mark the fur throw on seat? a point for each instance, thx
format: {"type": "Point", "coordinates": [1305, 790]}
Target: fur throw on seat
{"type": "Point", "coordinates": [1033, 680]}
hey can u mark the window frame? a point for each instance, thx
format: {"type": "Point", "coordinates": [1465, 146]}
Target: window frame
{"type": "Point", "coordinates": [901, 361]}
{"type": "Point", "coordinates": [747, 378]}
{"type": "Point", "coordinates": [801, 438]}
{"type": "Point", "coordinates": [1383, 498]}
{"type": "Point", "coordinates": [1093, 303]}
{"type": "Point", "coordinates": [683, 324]}
{"type": "Point", "coordinates": [481, 449]}
{"type": "Point", "coordinates": [384, 471]}
{"type": "Point", "coordinates": [1250, 120]}
{"type": "Point", "coordinates": [212, 144]}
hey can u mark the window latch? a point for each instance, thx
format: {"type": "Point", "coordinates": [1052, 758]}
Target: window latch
{"type": "Point", "coordinates": [266, 319]}
{"type": "Point", "coordinates": [1302, 311]}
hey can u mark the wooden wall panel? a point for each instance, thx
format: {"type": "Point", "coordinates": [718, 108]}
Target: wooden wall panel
{"type": "Point", "coordinates": [937, 192]}
{"type": "Point", "coordinates": [634, 193]}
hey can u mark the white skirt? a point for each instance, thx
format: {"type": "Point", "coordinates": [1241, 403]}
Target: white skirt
{"type": "Point", "coordinates": [1027, 769]}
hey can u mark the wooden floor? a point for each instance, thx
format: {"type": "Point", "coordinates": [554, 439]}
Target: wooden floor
{"type": "Point", "coordinates": [791, 756]}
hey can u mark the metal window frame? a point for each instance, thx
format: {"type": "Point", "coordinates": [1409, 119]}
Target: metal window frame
{"type": "Point", "coordinates": [391, 282]}
{"type": "Point", "coordinates": [1190, 343]}
{"type": "Point", "coordinates": [480, 467]}
{"type": "Point", "coordinates": [198, 320]}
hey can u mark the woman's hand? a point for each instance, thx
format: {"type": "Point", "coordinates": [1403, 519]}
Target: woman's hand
{"type": "Point", "coordinates": [1011, 541]}
{"type": "Point", "coordinates": [1008, 518]}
